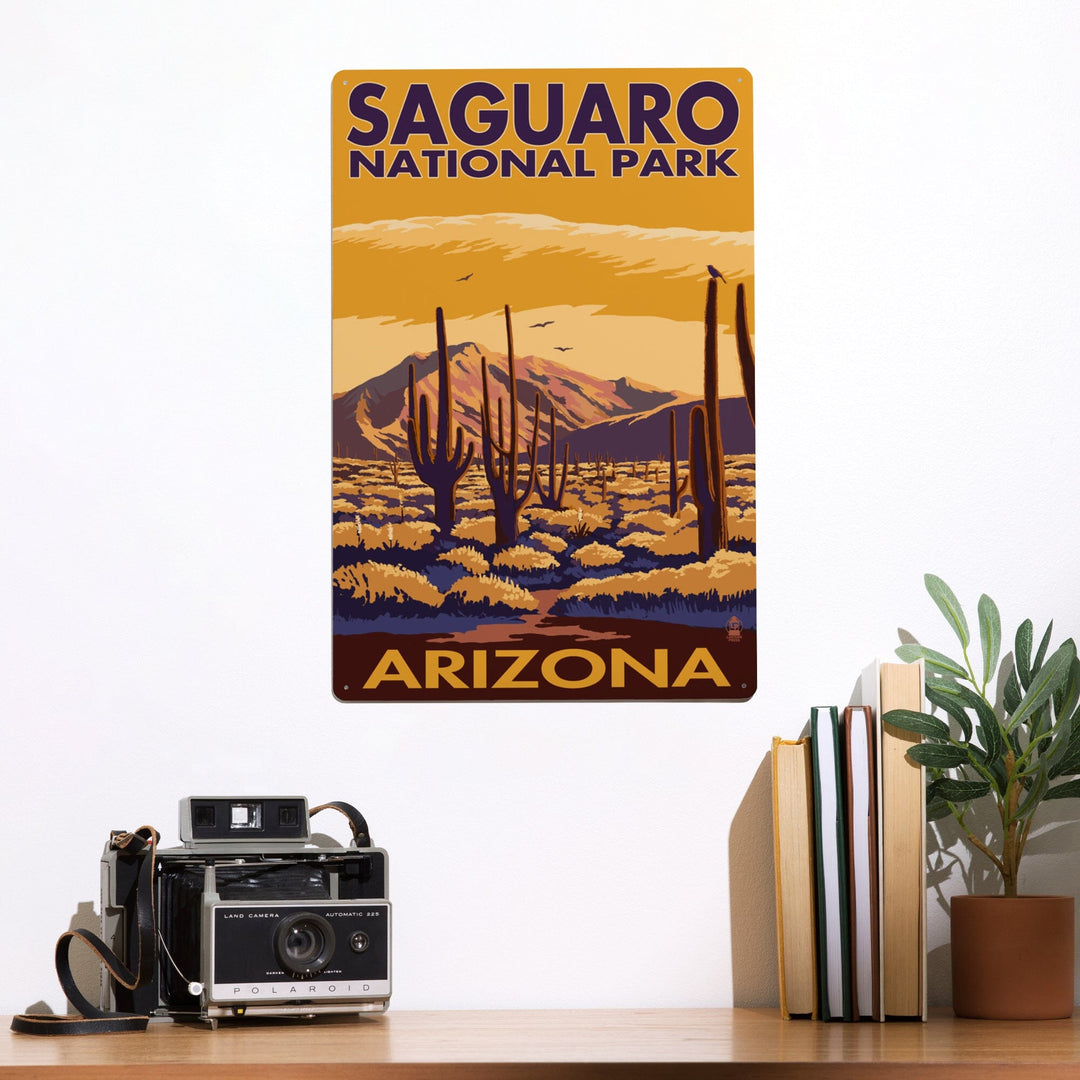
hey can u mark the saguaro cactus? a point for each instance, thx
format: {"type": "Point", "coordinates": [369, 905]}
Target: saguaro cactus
{"type": "Point", "coordinates": [676, 487]}
{"type": "Point", "coordinates": [707, 482]}
{"type": "Point", "coordinates": [438, 466]}
{"type": "Point", "coordinates": [501, 460]}
{"type": "Point", "coordinates": [746, 350]}
{"type": "Point", "coordinates": [552, 498]}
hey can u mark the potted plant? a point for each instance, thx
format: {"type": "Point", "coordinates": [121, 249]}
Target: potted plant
{"type": "Point", "coordinates": [1008, 734]}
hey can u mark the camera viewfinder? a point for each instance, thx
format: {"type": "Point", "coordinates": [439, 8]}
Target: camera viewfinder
{"type": "Point", "coordinates": [245, 815]}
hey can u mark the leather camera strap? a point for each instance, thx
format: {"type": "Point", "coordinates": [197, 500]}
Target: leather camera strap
{"type": "Point", "coordinates": [361, 836]}
{"type": "Point", "coordinates": [141, 844]}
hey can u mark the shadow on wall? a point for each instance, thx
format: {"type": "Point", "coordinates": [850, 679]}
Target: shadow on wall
{"type": "Point", "coordinates": [85, 966]}
{"type": "Point", "coordinates": [752, 885]}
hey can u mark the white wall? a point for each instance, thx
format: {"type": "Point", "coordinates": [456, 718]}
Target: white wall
{"type": "Point", "coordinates": [164, 333]}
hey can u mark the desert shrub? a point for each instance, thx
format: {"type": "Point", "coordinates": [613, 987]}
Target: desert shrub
{"type": "Point", "coordinates": [390, 492]}
{"type": "Point", "coordinates": [371, 583]}
{"type": "Point", "coordinates": [743, 527]}
{"type": "Point", "coordinates": [373, 508]}
{"type": "Point", "coordinates": [590, 519]}
{"type": "Point", "coordinates": [566, 516]}
{"type": "Point", "coordinates": [485, 594]}
{"type": "Point", "coordinates": [597, 555]}
{"type": "Point", "coordinates": [550, 541]}
{"type": "Point", "coordinates": [637, 503]}
{"type": "Point", "coordinates": [411, 535]}
{"type": "Point", "coordinates": [467, 557]}
{"type": "Point", "coordinates": [674, 536]}
{"type": "Point", "coordinates": [627, 485]}
{"type": "Point", "coordinates": [525, 558]}
{"type": "Point", "coordinates": [344, 534]}
{"type": "Point", "coordinates": [740, 498]}
{"type": "Point", "coordinates": [684, 542]}
{"type": "Point", "coordinates": [728, 575]}
{"type": "Point", "coordinates": [475, 504]}
{"type": "Point", "coordinates": [379, 511]}
{"type": "Point", "coordinates": [739, 476]}
{"type": "Point", "coordinates": [657, 521]}
{"type": "Point", "coordinates": [479, 529]}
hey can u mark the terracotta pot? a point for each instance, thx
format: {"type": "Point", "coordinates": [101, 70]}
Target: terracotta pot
{"type": "Point", "coordinates": [1012, 957]}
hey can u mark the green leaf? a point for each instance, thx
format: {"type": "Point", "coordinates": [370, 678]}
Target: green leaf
{"type": "Point", "coordinates": [1049, 677]}
{"type": "Point", "coordinates": [962, 790]}
{"type": "Point", "coordinates": [936, 809]}
{"type": "Point", "coordinates": [1067, 696]}
{"type": "Point", "coordinates": [994, 764]}
{"type": "Point", "coordinates": [1036, 740]}
{"type": "Point", "coordinates": [989, 736]}
{"type": "Point", "coordinates": [1001, 777]}
{"type": "Point", "coordinates": [1037, 662]}
{"type": "Point", "coordinates": [1013, 694]}
{"type": "Point", "coordinates": [1069, 790]}
{"type": "Point", "coordinates": [949, 703]}
{"type": "Point", "coordinates": [1028, 806]}
{"type": "Point", "coordinates": [938, 755]}
{"type": "Point", "coordinates": [972, 700]}
{"type": "Point", "coordinates": [1074, 732]}
{"type": "Point", "coordinates": [1068, 765]}
{"type": "Point", "coordinates": [1061, 732]}
{"type": "Point", "coordinates": [919, 722]}
{"type": "Point", "coordinates": [990, 635]}
{"type": "Point", "coordinates": [1023, 652]}
{"type": "Point", "coordinates": [948, 605]}
{"type": "Point", "coordinates": [946, 686]}
{"type": "Point", "coordinates": [936, 662]}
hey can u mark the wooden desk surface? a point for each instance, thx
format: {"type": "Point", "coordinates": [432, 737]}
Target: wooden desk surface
{"type": "Point", "coordinates": [754, 1044]}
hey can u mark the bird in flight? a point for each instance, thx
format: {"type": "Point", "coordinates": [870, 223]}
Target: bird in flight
{"type": "Point", "coordinates": [466, 277]}
{"type": "Point", "coordinates": [564, 348]}
{"type": "Point", "coordinates": [535, 324]}
{"type": "Point", "coordinates": [713, 272]}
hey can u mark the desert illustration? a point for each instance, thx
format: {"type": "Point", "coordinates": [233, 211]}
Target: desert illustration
{"type": "Point", "coordinates": [504, 473]}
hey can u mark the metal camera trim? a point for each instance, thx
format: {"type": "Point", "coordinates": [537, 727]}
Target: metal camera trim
{"type": "Point", "coordinates": [297, 995]}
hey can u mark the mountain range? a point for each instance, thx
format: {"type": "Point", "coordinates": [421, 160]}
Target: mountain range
{"type": "Point", "coordinates": [628, 420]}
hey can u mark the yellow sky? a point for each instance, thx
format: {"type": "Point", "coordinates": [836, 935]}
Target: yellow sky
{"type": "Point", "coordinates": [622, 301]}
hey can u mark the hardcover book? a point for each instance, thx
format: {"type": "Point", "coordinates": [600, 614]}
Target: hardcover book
{"type": "Point", "coordinates": [543, 385]}
{"type": "Point", "coordinates": [860, 763]}
{"type": "Point", "coordinates": [901, 842]}
{"type": "Point", "coordinates": [831, 865]}
{"type": "Point", "coordinates": [793, 853]}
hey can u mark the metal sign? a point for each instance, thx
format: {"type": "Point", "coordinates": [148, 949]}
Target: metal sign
{"type": "Point", "coordinates": [543, 385]}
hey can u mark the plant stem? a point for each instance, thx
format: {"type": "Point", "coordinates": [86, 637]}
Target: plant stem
{"type": "Point", "coordinates": [1023, 840]}
{"type": "Point", "coordinates": [986, 851]}
{"type": "Point", "coordinates": [1010, 853]}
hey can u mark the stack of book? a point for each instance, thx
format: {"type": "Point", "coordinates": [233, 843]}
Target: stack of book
{"type": "Point", "coordinates": [849, 827]}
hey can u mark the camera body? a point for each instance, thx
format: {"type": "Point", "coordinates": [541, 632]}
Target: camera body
{"type": "Point", "coordinates": [252, 916]}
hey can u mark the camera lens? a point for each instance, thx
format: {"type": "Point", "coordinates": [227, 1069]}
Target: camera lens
{"type": "Point", "coordinates": [304, 943]}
